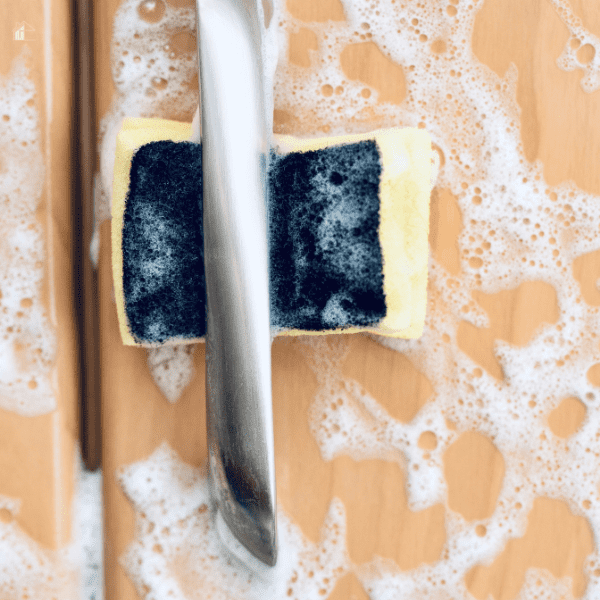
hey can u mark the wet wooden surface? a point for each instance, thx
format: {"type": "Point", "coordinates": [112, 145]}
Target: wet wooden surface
{"type": "Point", "coordinates": [136, 418]}
{"type": "Point", "coordinates": [37, 454]}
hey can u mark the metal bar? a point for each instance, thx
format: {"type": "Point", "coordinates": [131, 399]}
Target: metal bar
{"type": "Point", "coordinates": [238, 383]}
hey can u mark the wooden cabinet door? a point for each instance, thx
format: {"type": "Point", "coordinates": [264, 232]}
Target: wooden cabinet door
{"type": "Point", "coordinates": [460, 465]}
{"type": "Point", "coordinates": [39, 457]}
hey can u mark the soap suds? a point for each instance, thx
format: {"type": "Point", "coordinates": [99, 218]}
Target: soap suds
{"type": "Point", "coordinates": [89, 531]}
{"type": "Point", "coordinates": [582, 50]}
{"type": "Point", "coordinates": [27, 338]}
{"type": "Point", "coordinates": [73, 572]}
{"type": "Point", "coordinates": [516, 228]}
{"type": "Point", "coordinates": [27, 570]}
{"type": "Point", "coordinates": [172, 368]}
{"type": "Point", "coordinates": [178, 553]}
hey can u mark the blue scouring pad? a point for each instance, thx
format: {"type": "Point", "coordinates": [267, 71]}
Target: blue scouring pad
{"type": "Point", "coordinates": [327, 242]}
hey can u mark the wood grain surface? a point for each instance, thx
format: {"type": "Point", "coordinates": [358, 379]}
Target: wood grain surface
{"type": "Point", "coordinates": [38, 454]}
{"type": "Point", "coordinates": [136, 417]}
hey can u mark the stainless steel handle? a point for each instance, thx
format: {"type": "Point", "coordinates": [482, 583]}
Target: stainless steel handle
{"type": "Point", "coordinates": [238, 344]}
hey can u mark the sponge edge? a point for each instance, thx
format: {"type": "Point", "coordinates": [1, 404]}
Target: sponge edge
{"type": "Point", "coordinates": [134, 133]}
{"type": "Point", "coordinates": [405, 186]}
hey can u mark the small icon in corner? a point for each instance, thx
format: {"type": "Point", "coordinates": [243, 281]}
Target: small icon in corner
{"type": "Point", "coordinates": [22, 32]}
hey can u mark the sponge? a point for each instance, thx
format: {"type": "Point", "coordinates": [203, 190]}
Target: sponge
{"type": "Point", "coordinates": [348, 228]}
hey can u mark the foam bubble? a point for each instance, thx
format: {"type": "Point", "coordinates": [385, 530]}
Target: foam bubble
{"type": "Point", "coordinates": [27, 338]}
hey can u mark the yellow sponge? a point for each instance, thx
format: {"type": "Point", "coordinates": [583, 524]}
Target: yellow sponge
{"type": "Point", "coordinates": [404, 185]}
{"type": "Point", "coordinates": [134, 133]}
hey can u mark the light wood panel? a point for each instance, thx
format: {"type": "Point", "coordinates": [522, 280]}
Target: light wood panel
{"type": "Point", "coordinates": [37, 454]}
{"type": "Point", "coordinates": [136, 418]}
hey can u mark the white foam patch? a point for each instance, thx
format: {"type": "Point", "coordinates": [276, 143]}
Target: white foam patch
{"type": "Point", "coordinates": [27, 338]}
{"type": "Point", "coordinates": [582, 50]}
{"type": "Point", "coordinates": [157, 233]}
{"type": "Point", "coordinates": [383, 579]}
{"type": "Point", "coordinates": [540, 585]}
{"type": "Point", "coordinates": [179, 553]}
{"type": "Point", "coordinates": [27, 570]}
{"type": "Point", "coordinates": [73, 572]}
{"type": "Point", "coordinates": [89, 535]}
{"type": "Point", "coordinates": [172, 368]}
{"type": "Point", "coordinates": [346, 420]}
